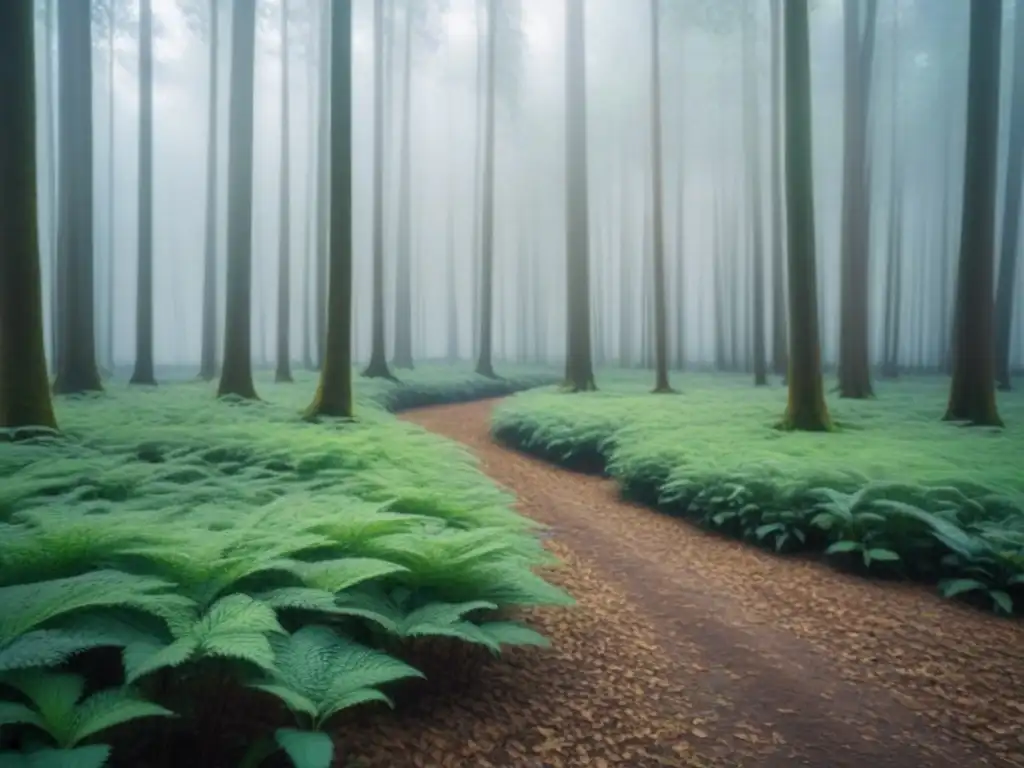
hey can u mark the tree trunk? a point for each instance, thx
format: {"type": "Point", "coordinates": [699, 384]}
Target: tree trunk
{"type": "Point", "coordinates": [334, 395]}
{"type": "Point", "coordinates": [805, 409]}
{"type": "Point", "coordinates": [661, 383]}
{"type": "Point", "coordinates": [283, 373]}
{"type": "Point", "coordinates": [780, 333]}
{"type": "Point", "coordinates": [579, 370]}
{"type": "Point", "coordinates": [24, 385]}
{"type": "Point", "coordinates": [402, 353]}
{"type": "Point", "coordinates": [323, 199]}
{"type": "Point", "coordinates": [378, 365]}
{"type": "Point", "coordinates": [484, 365]}
{"type": "Point", "coordinates": [854, 364]}
{"type": "Point", "coordinates": [111, 187]}
{"type": "Point", "coordinates": [311, 191]}
{"type": "Point", "coordinates": [972, 394]}
{"type": "Point", "coordinates": [1011, 209]}
{"type": "Point", "coordinates": [480, 102]}
{"type": "Point", "coordinates": [77, 371]}
{"type": "Point", "coordinates": [753, 156]}
{"type": "Point", "coordinates": [208, 355]}
{"type": "Point", "coordinates": [236, 374]}
{"type": "Point", "coordinates": [680, 297]}
{"type": "Point", "coordinates": [143, 373]}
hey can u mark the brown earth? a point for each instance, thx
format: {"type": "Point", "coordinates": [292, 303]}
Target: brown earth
{"type": "Point", "coordinates": [686, 649]}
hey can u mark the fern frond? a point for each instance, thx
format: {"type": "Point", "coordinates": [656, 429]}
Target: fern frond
{"type": "Point", "coordinates": [338, 575]}
{"type": "Point", "coordinates": [92, 756]}
{"type": "Point", "coordinates": [107, 708]}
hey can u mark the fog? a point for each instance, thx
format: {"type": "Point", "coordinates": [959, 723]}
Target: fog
{"type": "Point", "coordinates": [705, 169]}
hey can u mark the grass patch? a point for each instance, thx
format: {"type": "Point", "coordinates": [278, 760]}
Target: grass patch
{"type": "Point", "coordinates": [232, 543]}
{"type": "Point", "coordinates": [894, 492]}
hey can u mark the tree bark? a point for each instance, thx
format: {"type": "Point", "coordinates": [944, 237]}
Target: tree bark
{"type": "Point", "coordinates": [753, 157]}
{"type": "Point", "coordinates": [402, 353]}
{"type": "Point", "coordinates": [208, 353]}
{"type": "Point", "coordinates": [323, 199]}
{"type": "Point", "coordinates": [661, 383]}
{"type": "Point", "coordinates": [780, 332]}
{"type": "Point", "coordinates": [579, 370]}
{"type": "Point", "coordinates": [972, 395]}
{"type": "Point", "coordinates": [805, 409]}
{"type": "Point", "coordinates": [236, 374]}
{"type": "Point", "coordinates": [484, 365]}
{"type": "Point", "coordinates": [334, 394]}
{"type": "Point", "coordinates": [144, 373]}
{"type": "Point", "coordinates": [24, 385]}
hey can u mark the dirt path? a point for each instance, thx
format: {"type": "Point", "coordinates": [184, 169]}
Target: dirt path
{"type": "Point", "coordinates": [687, 649]}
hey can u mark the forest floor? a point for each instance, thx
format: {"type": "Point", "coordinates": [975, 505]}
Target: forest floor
{"type": "Point", "coordinates": [687, 648]}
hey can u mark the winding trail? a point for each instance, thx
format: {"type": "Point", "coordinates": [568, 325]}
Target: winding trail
{"type": "Point", "coordinates": [687, 649]}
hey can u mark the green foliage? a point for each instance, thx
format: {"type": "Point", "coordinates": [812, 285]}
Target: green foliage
{"type": "Point", "coordinates": [896, 492]}
{"type": "Point", "coordinates": [204, 537]}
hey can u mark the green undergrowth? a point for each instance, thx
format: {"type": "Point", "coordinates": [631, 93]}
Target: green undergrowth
{"type": "Point", "coordinates": [234, 541]}
{"type": "Point", "coordinates": [894, 491]}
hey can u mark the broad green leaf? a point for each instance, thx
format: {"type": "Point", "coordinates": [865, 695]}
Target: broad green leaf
{"type": "Point", "coordinates": [844, 546]}
{"type": "Point", "coordinates": [13, 713]}
{"type": "Point", "coordinates": [1003, 601]}
{"type": "Point", "coordinates": [513, 633]}
{"type": "Point", "coordinates": [881, 554]}
{"type": "Point", "coordinates": [307, 749]}
{"type": "Point", "coordinates": [107, 708]}
{"type": "Point", "coordinates": [93, 756]}
{"type": "Point", "coordinates": [954, 587]}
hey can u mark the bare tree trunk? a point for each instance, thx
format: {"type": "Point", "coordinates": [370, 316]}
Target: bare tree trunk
{"type": "Point", "coordinates": [484, 365]}
{"type": "Point", "coordinates": [661, 383]}
{"type": "Point", "coordinates": [753, 157]}
{"type": "Point", "coordinates": [208, 359]}
{"type": "Point", "coordinates": [780, 332]}
{"type": "Point", "coordinates": [402, 353]}
{"type": "Point", "coordinates": [284, 286]}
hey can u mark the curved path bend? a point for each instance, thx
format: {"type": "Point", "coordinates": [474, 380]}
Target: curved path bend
{"type": "Point", "coordinates": [687, 649]}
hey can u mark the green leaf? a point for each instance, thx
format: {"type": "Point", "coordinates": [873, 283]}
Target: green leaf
{"type": "Point", "coordinates": [763, 530]}
{"type": "Point", "coordinates": [1017, 579]}
{"type": "Point", "coordinates": [12, 713]}
{"type": "Point", "coordinates": [882, 555]}
{"type": "Point", "coordinates": [93, 756]}
{"type": "Point", "coordinates": [337, 575]}
{"type": "Point", "coordinates": [1002, 600]}
{"type": "Point", "coordinates": [292, 699]}
{"type": "Point", "coordinates": [844, 546]}
{"type": "Point", "coordinates": [513, 633]}
{"type": "Point", "coordinates": [111, 707]}
{"type": "Point", "coordinates": [307, 749]}
{"type": "Point", "coordinates": [51, 647]}
{"type": "Point", "coordinates": [954, 587]}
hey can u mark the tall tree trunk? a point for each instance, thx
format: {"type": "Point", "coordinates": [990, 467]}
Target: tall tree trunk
{"type": "Point", "coordinates": [484, 365]}
{"type": "Point", "coordinates": [309, 247]}
{"type": "Point", "coordinates": [854, 363]}
{"type": "Point", "coordinates": [52, 152]}
{"type": "Point", "coordinates": [378, 365]}
{"type": "Point", "coordinates": [208, 354]}
{"type": "Point", "coordinates": [24, 385]}
{"type": "Point", "coordinates": [323, 198]}
{"type": "Point", "coordinates": [780, 333]}
{"type": "Point", "coordinates": [77, 371]}
{"type": "Point", "coordinates": [626, 299]}
{"type": "Point", "coordinates": [894, 257]}
{"type": "Point", "coordinates": [805, 409]}
{"type": "Point", "coordinates": [334, 395]}
{"type": "Point", "coordinates": [1011, 209]}
{"type": "Point", "coordinates": [284, 285]}
{"type": "Point", "coordinates": [111, 187]}
{"type": "Point", "coordinates": [680, 297]}
{"type": "Point", "coordinates": [402, 353]}
{"type": "Point", "coordinates": [143, 373]}
{"type": "Point", "coordinates": [972, 394]}
{"type": "Point", "coordinates": [480, 103]}
{"type": "Point", "coordinates": [661, 383]}
{"type": "Point", "coordinates": [579, 370]}
{"type": "Point", "coordinates": [236, 373]}
{"type": "Point", "coordinates": [753, 157]}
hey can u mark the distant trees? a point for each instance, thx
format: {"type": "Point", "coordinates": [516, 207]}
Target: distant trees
{"type": "Point", "coordinates": [24, 387]}
{"type": "Point", "coordinates": [334, 394]}
{"type": "Point", "coordinates": [579, 369]}
{"type": "Point", "coordinates": [972, 393]}
{"type": "Point", "coordinates": [76, 339]}
{"type": "Point", "coordinates": [805, 409]}
{"type": "Point", "coordinates": [236, 374]}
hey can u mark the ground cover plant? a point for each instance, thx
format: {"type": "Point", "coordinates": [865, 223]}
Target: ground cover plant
{"type": "Point", "coordinates": [894, 491]}
{"type": "Point", "coordinates": [232, 543]}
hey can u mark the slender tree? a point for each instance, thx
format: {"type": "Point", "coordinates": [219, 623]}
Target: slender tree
{"type": "Point", "coordinates": [780, 333]}
{"type": "Point", "coordinates": [402, 353]}
{"type": "Point", "coordinates": [378, 365]}
{"type": "Point", "coordinates": [484, 364]}
{"type": "Point", "coordinates": [236, 374]}
{"type": "Point", "coordinates": [144, 373]}
{"type": "Point", "coordinates": [752, 152]}
{"type": "Point", "coordinates": [334, 395]}
{"type": "Point", "coordinates": [24, 386]}
{"type": "Point", "coordinates": [1008, 252]}
{"type": "Point", "coordinates": [579, 370]}
{"type": "Point", "coordinates": [805, 409]}
{"type": "Point", "coordinates": [208, 352]}
{"type": "Point", "coordinates": [661, 383]}
{"type": "Point", "coordinates": [283, 372]}
{"type": "Point", "coordinates": [76, 354]}
{"type": "Point", "coordinates": [972, 396]}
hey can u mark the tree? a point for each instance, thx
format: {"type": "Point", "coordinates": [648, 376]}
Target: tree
{"type": "Point", "coordinates": [236, 374]}
{"type": "Point", "coordinates": [484, 365]}
{"type": "Point", "coordinates": [805, 409]}
{"type": "Point", "coordinates": [208, 359]}
{"type": "Point", "coordinates": [1011, 208]}
{"type": "Point", "coordinates": [972, 395]}
{"type": "Point", "coordinates": [334, 394]}
{"type": "Point", "coordinates": [661, 383]}
{"type": "Point", "coordinates": [24, 386]}
{"type": "Point", "coordinates": [76, 357]}
{"type": "Point", "coordinates": [859, 44]}
{"type": "Point", "coordinates": [579, 370]}
{"type": "Point", "coordinates": [143, 373]}
{"type": "Point", "coordinates": [780, 341]}
{"type": "Point", "coordinates": [403, 262]}
{"type": "Point", "coordinates": [378, 364]}
{"type": "Point", "coordinates": [284, 371]}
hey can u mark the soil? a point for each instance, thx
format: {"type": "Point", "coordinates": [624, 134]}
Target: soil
{"type": "Point", "coordinates": [686, 649]}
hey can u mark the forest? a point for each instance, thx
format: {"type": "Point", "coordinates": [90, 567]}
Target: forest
{"type": "Point", "coordinates": [511, 383]}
